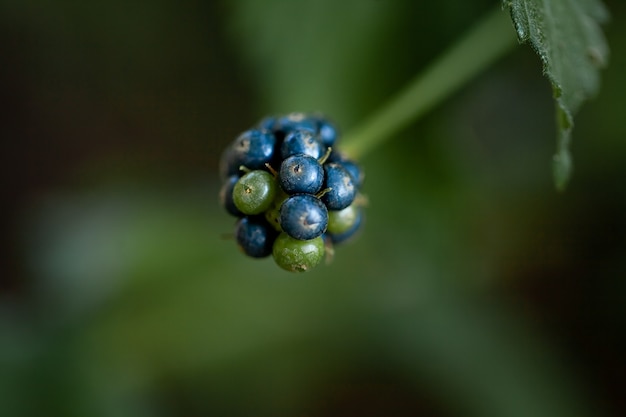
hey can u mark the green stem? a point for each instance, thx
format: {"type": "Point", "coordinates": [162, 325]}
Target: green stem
{"type": "Point", "coordinates": [484, 43]}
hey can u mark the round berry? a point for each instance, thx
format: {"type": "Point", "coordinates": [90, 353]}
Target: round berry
{"type": "Point", "coordinates": [341, 187]}
{"type": "Point", "coordinates": [301, 174]}
{"type": "Point", "coordinates": [354, 170]}
{"type": "Point", "coordinates": [254, 192]}
{"type": "Point", "coordinates": [303, 217]}
{"type": "Point", "coordinates": [229, 164]}
{"type": "Point", "coordinates": [293, 121]}
{"type": "Point", "coordinates": [272, 214]}
{"type": "Point", "coordinates": [345, 223]}
{"type": "Point", "coordinates": [302, 141]}
{"type": "Point", "coordinates": [352, 167]}
{"type": "Point", "coordinates": [255, 237]}
{"type": "Point", "coordinates": [297, 255]}
{"type": "Point", "coordinates": [268, 123]}
{"type": "Point", "coordinates": [254, 148]}
{"type": "Point", "coordinates": [327, 132]}
{"type": "Point", "coordinates": [226, 196]}
{"type": "Point", "coordinates": [340, 221]}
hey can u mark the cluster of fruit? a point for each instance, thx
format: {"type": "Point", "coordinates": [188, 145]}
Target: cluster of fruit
{"type": "Point", "coordinates": [294, 195]}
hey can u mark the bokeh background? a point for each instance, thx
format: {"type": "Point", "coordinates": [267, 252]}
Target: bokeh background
{"type": "Point", "coordinates": [475, 289]}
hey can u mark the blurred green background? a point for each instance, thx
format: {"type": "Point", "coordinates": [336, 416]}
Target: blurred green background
{"type": "Point", "coordinates": [474, 290]}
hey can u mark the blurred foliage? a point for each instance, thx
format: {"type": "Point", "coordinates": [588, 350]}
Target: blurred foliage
{"type": "Point", "coordinates": [474, 289]}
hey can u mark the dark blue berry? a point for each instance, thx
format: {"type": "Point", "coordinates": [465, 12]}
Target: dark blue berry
{"type": "Point", "coordinates": [301, 174]}
{"type": "Point", "coordinates": [352, 167]}
{"type": "Point", "coordinates": [296, 121]}
{"type": "Point", "coordinates": [229, 164]}
{"type": "Point", "coordinates": [281, 126]}
{"type": "Point", "coordinates": [254, 148]}
{"type": "Point", "coordinates": [327, 132]}
{"type": "Point", "coordinates": [341, 187]}
{"type": "Point", "coordinates": [226, 196]}
{"type": "Point", "coordinates": [255, 237]}
{"type": "Point", "coordinates": [268, 123]}
{"type": "Point", "coordinates": [303, 217]}
{"type": "Point", "coordinates": [302, 142]}
{"type": "Point", "coordinates": [354, 170]}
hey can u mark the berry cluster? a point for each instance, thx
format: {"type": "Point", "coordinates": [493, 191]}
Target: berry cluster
{"type": "Point", "coordinates": [294, 195]}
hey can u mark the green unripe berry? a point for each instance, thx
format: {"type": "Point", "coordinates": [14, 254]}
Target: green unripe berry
{"type": "Point", "coordinates": [297, 255]}
{"type": "Point", "coordinates": [254, 192]}
{"type": "Point", "coordinates": [272, 215]}
{"type": "Point", "coordinates": [340, 221]}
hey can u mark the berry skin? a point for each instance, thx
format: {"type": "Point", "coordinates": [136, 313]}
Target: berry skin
{"type": "Point", "coordinates": [316, 123]}
{"type": "Point", "coordinates": [303, 217]}
{"type": "Point", "coordinates": [281, 126]}
{"type": "Point", "coordinates": [267, 123]}
{"type": "Point", "coordinates": [272, 214]}
{"type": "Point", "coordinates": [354, 170]}
{"type": "Point", "coordinates": [342, 189]}
{"type": "Point", "coordinates": [344, 224]}
{"type": "Point", "coordinates": [254, 192]}
{"type": "Point", "coordinates": [294, 121]}
{"type": "Point", "coordinates": [226, 196]}
{"type": "Point", "coordinates": [340, 221]}
{"type": "Point", "coordinates": [253, 149]}
{"type": "Point", "coordinates": [327, 131]}
{"type": "Point", "coordinates": [352, 167]}
{"type": "Point", "coordinates": [255, 237]}
{"type": "Point", "coordinates": [297, 255]}
{"type": "Point", "coordinates": [301, 174]}
{"type": "Point", "coordinates": [229, 164]}
{"type": "Point", "coordinates": [302, 141]}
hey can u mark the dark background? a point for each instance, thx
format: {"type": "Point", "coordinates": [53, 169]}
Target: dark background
{"type": "Point", "coordinates": [475, 288]}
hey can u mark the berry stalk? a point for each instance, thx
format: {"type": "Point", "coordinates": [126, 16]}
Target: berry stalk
{"type": "Point", "coordinates": [481, 46]}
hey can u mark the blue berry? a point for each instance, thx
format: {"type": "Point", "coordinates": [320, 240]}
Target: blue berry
{"type": "Point", "coordinates": [303, 217]}
{"type": "Point", "coordinates": [301, 174]}
{"type": "Point", "coordinates": [316, 123]}
{"type": "Point", "coordinates": [254, 148]}
{"type": "Point", "coordinates": [327, 131]}
{"type": "Point", "coordinates": [341, 187]}
{"type": "Point", "coordinates": [229, 164]}
{"type": "Point", "coordinates": [267, 123]}
{"type": "Point", "coordinates": [226, 196]}
{"type": "Point", "coordinates": [352, 167]}
{"type": "Point", "coordinates": [302, 141]}
{"type": "Point", "coordinates": [255, 237]}
{"type": "Point", "coordinates": [281, 126]}
{"type": "Point", "coordinates": [297, 255]}
{"type": "Point", "coordinates": [354, 170]}
{"type": "Point", "coordinates": [296, 121]}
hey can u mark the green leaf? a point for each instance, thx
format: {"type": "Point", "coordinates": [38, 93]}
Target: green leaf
{"type": "Point", "coordinates": [566, 35]}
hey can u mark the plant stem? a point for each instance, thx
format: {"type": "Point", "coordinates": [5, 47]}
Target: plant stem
{"type": "Point", "coordinates": [481, 46]}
